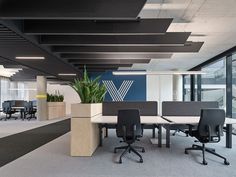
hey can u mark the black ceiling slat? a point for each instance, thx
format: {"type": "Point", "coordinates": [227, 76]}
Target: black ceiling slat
{"type": "Point", "coordinates": [172, 38]}
{"type": "Point", "coordinates": [94, 67]}
{"type": "Point", "coordinates": [10, 43]}
{"type": "Point", "coordinates": [116, 56]}
{"type": "Point", "coordinates": [104, 65]}
{"type": "Point", "coordinates": [11, 47]}
{"type": "Point", "coordinates": [6, 33]}
{"type": "Point", "coordinates": [10, 37]}
{"type": "Point", "coordinates": [108, 61]}
{"type": "Point", "coordinates": [91, 27]}
{"type": "Point", "coordinates": [189, 47]}
{"type": "Point", "coordinates": [71, 9]}
{"type": "Point", "coordinates": [100, 70]}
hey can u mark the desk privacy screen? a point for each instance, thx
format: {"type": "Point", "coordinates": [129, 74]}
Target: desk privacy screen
{"type": "Point", "coordinates": [146, 108]}
{"type": "Point", "coordinates": [188, 108]}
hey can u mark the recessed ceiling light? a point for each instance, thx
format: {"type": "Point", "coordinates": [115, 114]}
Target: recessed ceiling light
{"type": "Point", "coordinates": [158, 72]}
{"type": "Point", "coordinates": [129, 72]}
{"type": "Point", "coordinates": [8, 72]}
{"type": "Point", "coordinates": [50, 76]}
{"type": "Point", "coordinates": [30, 58]}
{"type": "Point", "coordinates": [66, 74]}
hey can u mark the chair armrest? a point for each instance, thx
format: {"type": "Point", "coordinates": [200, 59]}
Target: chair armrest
{"type": "Point", "coordinates": [208, 129]}
{"type": "Point", "coordinates": [190, 129]}
{"type": "Point", "coordinates": [220, 132]}
{"type": "Point", "coordinates": [124, 132]}
{"type": "Point", "coordinates": [134, 131]}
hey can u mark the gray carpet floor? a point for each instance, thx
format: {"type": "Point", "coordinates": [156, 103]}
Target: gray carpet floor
{"type": "Point", "coordinates": [53, 160]}
{"type": "Point", "coordinates": [17, 145]}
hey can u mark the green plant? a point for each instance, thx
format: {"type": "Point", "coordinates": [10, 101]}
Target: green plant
{"type": "Point", "coordinates": [57, 97]}
{"type": "Point", "coordinates": [89, 90]}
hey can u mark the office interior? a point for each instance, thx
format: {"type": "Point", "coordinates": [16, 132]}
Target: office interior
{"type": "Point", "coordinates": [117, 88]}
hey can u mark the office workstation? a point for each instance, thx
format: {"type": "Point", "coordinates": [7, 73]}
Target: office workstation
{"type": "Point", "coordinates": [117, 88]}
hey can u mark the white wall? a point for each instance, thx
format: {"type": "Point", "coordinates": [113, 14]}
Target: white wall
{"type": "Point", "coordinates": [160, 88]}
{"type": "Point", "coordinates": [32, 90]}
{"type": "Point", "coordinates": [177, 87]}
{"type": "Point", "coordinates": [70, 96]}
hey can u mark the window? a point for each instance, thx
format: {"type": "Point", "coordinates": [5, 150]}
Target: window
{"type": "Point", "coordinates": [213, 84]}
{"type": "Point", "coordinates": [234, 85]}
{"type": "Point", "coordinates": [12, 90]}
{"type": "Point", "coordinates": [187, 91]}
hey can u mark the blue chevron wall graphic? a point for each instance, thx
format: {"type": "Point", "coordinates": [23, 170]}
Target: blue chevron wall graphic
{"type": "Point", "coordinates": [118, 94]}
{"type": "Point", "coordinates": [123, 88]}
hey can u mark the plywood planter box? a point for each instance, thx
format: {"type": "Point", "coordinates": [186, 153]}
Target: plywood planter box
{"type": "Point", "coordinates": [84, 134]}
{"type": "Point", "coordinates": [56, 110]}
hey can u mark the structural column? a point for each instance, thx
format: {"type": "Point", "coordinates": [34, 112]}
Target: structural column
{"type": "Point", "coordinates": [177, 88]}
{"type": "Point", "coordinates": [42, 111]}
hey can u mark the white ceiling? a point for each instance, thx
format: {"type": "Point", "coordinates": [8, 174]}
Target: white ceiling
{"type": "Point", "coordinates": [210, 21]}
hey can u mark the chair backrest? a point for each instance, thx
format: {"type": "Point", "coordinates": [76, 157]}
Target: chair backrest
{"type": "Point", "coordinates": [29, 106]}
{"type": "Point", "coordinates": [128, 118]}
{"type": "Point", "coordinates": [212, 121]}
{"type": "Point", "coordinates": [6, 107]}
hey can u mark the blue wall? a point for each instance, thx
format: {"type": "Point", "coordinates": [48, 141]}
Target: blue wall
{"type": "Point", "coordinates": [135, 85]}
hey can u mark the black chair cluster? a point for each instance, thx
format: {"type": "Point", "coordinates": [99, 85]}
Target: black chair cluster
{"type": "Point", "coordinates": [25, 108]}
{"type": "Point", "coordinates": [209, 130]}
{"type": "Point", "coordinates": [130, 130]}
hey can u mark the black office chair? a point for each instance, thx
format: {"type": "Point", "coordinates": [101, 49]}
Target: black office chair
{"type": "Point", "coordinates": [129, 129]}
{"type": "Point", "coordinates": [209, 130]}
{"type": "Point", "coordinates": [6, 109]}
{"type": "Point", "coordinates": [29, 110]}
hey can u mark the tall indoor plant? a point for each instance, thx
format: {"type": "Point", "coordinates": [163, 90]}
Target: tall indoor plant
{"type": "Point", "coordinates": [84, 133]}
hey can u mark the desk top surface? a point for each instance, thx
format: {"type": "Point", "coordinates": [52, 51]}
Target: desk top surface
{"type": "Point", "coordinates": [144, 119]}
{"type": "Point", "coordinates": [17, 107]}
{"type": "Point", "coordinates": [192, 119]}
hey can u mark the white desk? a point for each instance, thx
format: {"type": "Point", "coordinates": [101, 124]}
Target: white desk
{"type": "Point", "coordinates": [146, 120]}
{"type": "Point", "coordinates": [143, 119]}
{"type": "Point", "coordinates": [195, 120]}
{"type": "Point", "coordinates": [192, 119]}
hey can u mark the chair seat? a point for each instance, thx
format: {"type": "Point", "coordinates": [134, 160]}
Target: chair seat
{"type": "Point", "coordinates": [202, 139]}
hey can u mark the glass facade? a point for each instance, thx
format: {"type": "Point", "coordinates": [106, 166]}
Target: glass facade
{"type": "Point", "coordinates": [186, 87]}
{"type": "Point", "coordinates": [12, 90]}
{"type": "Point", "coordinates": [218, 84]}
{"type": "Point", "coordinates": [234, 85]}
{"type": "Point", "coordinates": [213, 84]}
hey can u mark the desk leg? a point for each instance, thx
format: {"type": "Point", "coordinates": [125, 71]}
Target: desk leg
{"type": "Point", "coordinates": [21, 114]}
{"type": "Point", "coordinates": [167, 136]}
{"type": "Point", "coordinates": [100, 134]}
{"type": "Point", "coordinates": [159, 135]}
{"type": "Point", "coordinates": [106, 132]}
{"type": "Point", "coordinates": [153, 131]}
{"type": "Point", "coordinates": [229, 135]}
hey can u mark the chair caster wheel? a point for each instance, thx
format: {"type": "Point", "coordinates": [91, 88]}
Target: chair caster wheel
{"type": "Point", "coordinates": [186, 152]}
{"type": "Point", "coordinates": [143, 150]}
{"type": "Point", "coordinates": [120, 161]}
{"type": "Point", "coordinates": [204, 162]}
{"type": "Point", "coordinates": [226, 162]}
{"type": "Point", "coordinates": [141, 160]}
